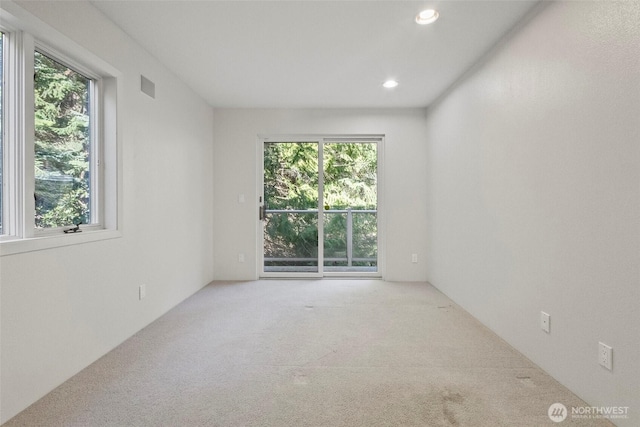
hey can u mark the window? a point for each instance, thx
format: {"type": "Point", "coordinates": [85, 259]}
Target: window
{"type": "Point", "coordinates": [63, 145]}
{"type": "Point", "coordinates": [59, 164]}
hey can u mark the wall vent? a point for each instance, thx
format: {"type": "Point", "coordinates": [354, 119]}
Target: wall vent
{"type": "Point", "coordinates": [147, 86]}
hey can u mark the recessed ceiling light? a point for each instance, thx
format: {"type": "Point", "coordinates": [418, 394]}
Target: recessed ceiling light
{"type": "Point", "coordinates": [427, 17]}
{"type": "Point", "coordinates": [390, 84]}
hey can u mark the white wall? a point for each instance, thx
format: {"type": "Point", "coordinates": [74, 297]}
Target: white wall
{"type": "Point", "coordinates": [534, 195]}
{"type": "Point", "coordinates": [235, 172]}
{"type": "Point", "coordinates": [63, 308]}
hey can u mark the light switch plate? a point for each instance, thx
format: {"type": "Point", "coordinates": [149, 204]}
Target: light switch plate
{"type": "Point", "coordinates": [545, 322]}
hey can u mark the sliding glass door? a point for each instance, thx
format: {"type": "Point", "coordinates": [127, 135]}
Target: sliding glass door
{"type": "Point", "coordinates": [350, 207]}
{"type": "Point", "coordinates": [290, 207]}
{"type": "Point", "coordinates": [319, 208]}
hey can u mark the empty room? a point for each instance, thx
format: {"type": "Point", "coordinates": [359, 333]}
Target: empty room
{"type": "Point", "coordinates": [319, 213]}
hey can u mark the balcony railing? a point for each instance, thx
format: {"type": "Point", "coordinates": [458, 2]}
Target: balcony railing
{"type": "Point", "coordinates": [348, 257]}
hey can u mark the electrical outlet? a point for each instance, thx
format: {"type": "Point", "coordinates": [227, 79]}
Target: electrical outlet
{"type": "Point", "coordinates": [142, 291]}
{"type": "Point", "coordinates": [605, 355]}
{"type": "Point", "coordinates": [414, 258]}
{"type": "Point", "coordinates": [240, 257]}
{"type": "Point", "coordinates": [545, 322]}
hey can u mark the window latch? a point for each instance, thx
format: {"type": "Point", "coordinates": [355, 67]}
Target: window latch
{"type": "Point", "coordinates": [75, 229]}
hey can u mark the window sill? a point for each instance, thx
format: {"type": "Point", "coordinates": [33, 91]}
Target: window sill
{"type": "Point", "coordinates": [18, 246]}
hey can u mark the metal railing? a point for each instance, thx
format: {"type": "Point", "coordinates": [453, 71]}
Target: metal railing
{"type": "Point", "coordinates": [349, 234]}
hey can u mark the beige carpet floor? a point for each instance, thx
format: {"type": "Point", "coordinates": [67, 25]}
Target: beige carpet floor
{"type": "Point", "coordinates": [309, 353]}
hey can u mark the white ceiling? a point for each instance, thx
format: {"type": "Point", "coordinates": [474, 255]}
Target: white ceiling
{"type": "Point", "coordinates": [306, 53]}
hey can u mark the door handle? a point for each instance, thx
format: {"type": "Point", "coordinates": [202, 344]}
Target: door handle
{"type": "Point", "coordinates": [262, 211]}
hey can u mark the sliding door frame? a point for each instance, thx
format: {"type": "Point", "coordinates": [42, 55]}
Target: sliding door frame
{"type": "Point", "coordinates": [321, 140]}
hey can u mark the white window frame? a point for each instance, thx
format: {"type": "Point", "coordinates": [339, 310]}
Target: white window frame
{"type": "Point", "coordinates": [12, 131]}
{"type": "Point", "coordinates": [95, 135]}
{"type": "Point", "coordinates": [25, 35]}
